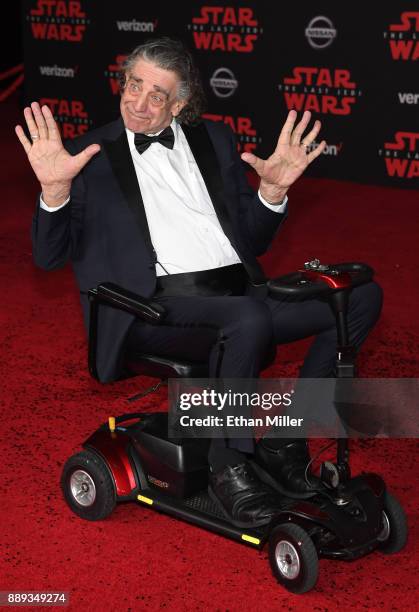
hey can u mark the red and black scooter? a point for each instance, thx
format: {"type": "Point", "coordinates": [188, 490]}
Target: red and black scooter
{"type": "Point", "coordinates": [131, 458]}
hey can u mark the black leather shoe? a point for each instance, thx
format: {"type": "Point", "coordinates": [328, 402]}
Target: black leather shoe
{"type": "Point", "coordinates": [287, 467]}
{"type": "Point", "coordinates": [243, 499]}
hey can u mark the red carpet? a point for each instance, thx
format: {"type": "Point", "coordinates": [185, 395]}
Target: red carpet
{"type": "Point", "coordinates": [137, 559]}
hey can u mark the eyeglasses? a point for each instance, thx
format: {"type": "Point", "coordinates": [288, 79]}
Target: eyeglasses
{"type": "Point", "coordinates": [154, 98]}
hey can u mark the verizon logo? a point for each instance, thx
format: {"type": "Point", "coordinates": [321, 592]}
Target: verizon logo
{"type": "Point", "coordinates": [136, 26]}
{"type": "Point", "coordinates": [58, 71]}
{"type": "Point", "coordinates": [408, 98]}
{"type": "Point", "coordinates": [330, 149]}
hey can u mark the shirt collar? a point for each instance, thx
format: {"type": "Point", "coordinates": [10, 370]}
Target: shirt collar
{"type": "Point", "coordinates": [174, 125]}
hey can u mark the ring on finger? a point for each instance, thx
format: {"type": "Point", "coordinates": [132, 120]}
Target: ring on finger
{"type": "Point", "coordinates": [306, 146]}
{"type": "Point", "coordinates": [34, 136]}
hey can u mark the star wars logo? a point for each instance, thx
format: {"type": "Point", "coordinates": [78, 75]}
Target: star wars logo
{"type": "Point", "coordinates": [225, 28]}
{"type": "Point", "coordinates": [71, 116]}
{"type": "Point", "coordinates": [403, 37]}
{"type": "Point", "coordinates": [321, 90]}
{"type": "Point", "coordinates": [58, 20]}
{"type": "Point", "coordinates": [402, 156]}
{"type": "Point", "coordinates": [113, 72]}
{"type": "Point", "coordinates": [247, 137]}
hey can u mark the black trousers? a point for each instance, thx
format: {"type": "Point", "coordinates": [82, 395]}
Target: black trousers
{"type": "Point", "coordinates": [248, 325]}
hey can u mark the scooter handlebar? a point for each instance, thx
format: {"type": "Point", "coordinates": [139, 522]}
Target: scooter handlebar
{"type": "Point", "coordinates": [315, 281]}
{"type": "Point", "coordinates": [297, 284]}
{"type": "Point", "coordinates": [360, 273]}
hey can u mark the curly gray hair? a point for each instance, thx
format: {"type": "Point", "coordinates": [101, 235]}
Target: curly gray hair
{"type": "Point", "coordinates": [171, 54]}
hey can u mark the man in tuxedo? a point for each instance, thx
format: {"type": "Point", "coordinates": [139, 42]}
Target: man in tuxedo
{"type": "Point", "coordinates": [158, 202]}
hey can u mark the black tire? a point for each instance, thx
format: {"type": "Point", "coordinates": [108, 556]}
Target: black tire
{"type": "Point", "coordinates": [88, 487]}
{"type": "Point", "coordinates": [293, 558]}
{"type": "Point", "coordinates": [394, 531]}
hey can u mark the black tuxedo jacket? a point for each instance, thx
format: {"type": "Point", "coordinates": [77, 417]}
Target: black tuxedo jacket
{"type": "Point", "coordinates": [104, 231]}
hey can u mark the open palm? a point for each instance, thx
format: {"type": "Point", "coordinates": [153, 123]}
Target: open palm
{"type": "Point", "coordinates": [291, 157]}
{"type": "Point", "coordinates": [52, 164]}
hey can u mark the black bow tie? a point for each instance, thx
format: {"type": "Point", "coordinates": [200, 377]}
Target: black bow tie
{"type": "Point", "coordinates": [166, 138]}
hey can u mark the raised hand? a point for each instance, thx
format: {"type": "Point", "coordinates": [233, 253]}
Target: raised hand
{"type": "Point", "coordinates": [54, 167]}
{"type": "Point", "coordinates": [291, 157]}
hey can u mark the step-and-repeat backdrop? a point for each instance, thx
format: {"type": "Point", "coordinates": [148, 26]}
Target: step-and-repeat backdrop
{"type": "Point", "coordinates": [354, 65]}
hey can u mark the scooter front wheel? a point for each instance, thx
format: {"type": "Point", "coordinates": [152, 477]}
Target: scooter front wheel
{"type": "Point", "coordinates": [293, 558]}
{"type": "Point", "coordinates": [393, 535]}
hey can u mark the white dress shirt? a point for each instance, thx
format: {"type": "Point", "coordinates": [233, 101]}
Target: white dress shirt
{"type": "Point", "coordinates": [184, 228]}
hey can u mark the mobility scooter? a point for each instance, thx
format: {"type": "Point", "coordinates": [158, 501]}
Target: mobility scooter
{"type": "Point", "coordinates": [132, 458]}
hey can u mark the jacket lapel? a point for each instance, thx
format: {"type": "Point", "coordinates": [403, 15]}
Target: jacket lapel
{"type": "Point", "coordinates": [207, 161]}
{"type": "Point", "coordinates": [123, 167]}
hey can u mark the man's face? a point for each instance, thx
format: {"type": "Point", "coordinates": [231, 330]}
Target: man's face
{"type": "Point", "coordinates": [149, 100]}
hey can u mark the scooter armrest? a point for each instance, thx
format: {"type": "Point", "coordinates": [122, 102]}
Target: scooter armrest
{"type": "Point", "coordinates": [121, 298]}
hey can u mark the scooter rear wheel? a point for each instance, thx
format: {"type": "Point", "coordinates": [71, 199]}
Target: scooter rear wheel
{"type": "Point", "coordinates": [88, 487]}
{"type": "Point", "coordinates": [393, 536]}
{"type": "Point", "coordinates": [293, 558]}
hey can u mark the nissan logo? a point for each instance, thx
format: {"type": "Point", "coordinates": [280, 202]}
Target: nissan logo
{"type": "Point", "coordinates": [223, 83]}
{"type": "Point", "coordinates": [320, 32]}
